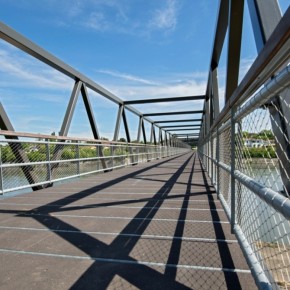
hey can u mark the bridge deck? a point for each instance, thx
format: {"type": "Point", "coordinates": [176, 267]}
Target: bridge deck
{"type": "Point", "coordinates": [158, 225]}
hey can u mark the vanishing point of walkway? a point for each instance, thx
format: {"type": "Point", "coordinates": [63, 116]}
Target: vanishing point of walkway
{"type": "Point", "coordinates": [157, 225]}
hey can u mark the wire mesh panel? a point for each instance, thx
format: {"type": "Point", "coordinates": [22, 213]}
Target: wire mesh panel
{"type": "Point", "coordinates": [252, 149]}
{"type": "Point", "coordinates": [225, 158]}
{"type": "Point", "coordinates": [30, 163]}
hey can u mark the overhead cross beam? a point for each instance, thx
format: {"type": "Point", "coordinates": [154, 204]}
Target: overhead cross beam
{"type": "Point", "coordinates": [178, 121]}
{"type": "Point", "coordinates": [185, 129]}
{"type": "Point", "coordinates": [173, 113]}
{"type": "Point", "coordinates": [165, 100]}
{"type": "Point", "coordinates": [179, 126]}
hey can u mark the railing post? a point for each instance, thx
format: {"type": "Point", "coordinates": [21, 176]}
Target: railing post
{"type": "Point", "coordinates": [1, 172]}
{"type": "Point", "coordinates": [211, 161]}
{"type": "Point", "coordinates": [78, 158]}
{"type": "Point", "coordinates": [233, 184]}
{"type": "Point", "coordinates": [112, 154]}
{"type": "Point", "coordinates": [48, 175]}
{"type": "Point", "coordinates": [218, 161]}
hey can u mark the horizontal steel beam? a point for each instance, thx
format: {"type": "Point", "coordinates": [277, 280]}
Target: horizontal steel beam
{"type": "Point", "coordinates": [185, 129]}
{"type": "Point", "coordinates": [174, 113]}
{"type": "Point", "coordinates": [165, 100]}
{"type": "Point", "coordinates": [179, 126]}
{"type": "Point", "coordinates": [182, 135]}
{"type": "Point", "coordinates": [178, 121]}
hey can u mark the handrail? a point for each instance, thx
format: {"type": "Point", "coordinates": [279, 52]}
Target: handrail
{"type": "Point", "coordinates": [66, 138]}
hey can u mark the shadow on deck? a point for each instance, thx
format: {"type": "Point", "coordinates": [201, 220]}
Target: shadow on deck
{"type": "Point", "coordinates": [155, 226]}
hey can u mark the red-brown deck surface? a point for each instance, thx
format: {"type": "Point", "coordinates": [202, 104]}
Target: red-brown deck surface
{"type": "Point", "coordinates": [157, 225]}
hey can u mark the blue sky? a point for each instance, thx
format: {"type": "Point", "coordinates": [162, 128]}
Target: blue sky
{"type": "Point", "coordinates": [134, 48]}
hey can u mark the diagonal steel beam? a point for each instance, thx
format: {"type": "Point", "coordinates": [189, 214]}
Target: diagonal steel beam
{"type": "Point", "coordinates": [165, 100]}
{"type": "Point", "coordinates": [118, 123]}
{"type": "Point", "coordinates": [66, 121]}
{"type": "Point", "coordinates": [18, 150]}
{"type": "Point", "coordinates": [92, 121]}
{"type": "Point", "coordinates": [70, 109]}
{"type": "Point", "coordinates": [126, 126]}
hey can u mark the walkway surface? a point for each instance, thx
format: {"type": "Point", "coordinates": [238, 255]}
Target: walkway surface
{"type": "Point", "coordinates": [157, 225]}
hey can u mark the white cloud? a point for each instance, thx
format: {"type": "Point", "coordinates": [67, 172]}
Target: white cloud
{"type": "Point", "coordinates": [98, 22]}
{"type": "Point", "coordinates": [165, 18]}
{"type": "Point", "coordinates": [128, 77]}
{"type": "Point", "coordinates": [26, 71]}
{"type": "Point", "coordinates": [130, 91]}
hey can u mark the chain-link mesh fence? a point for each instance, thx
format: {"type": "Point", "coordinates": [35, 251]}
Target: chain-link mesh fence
{"type": "Point", "coordinates": [257, 132]}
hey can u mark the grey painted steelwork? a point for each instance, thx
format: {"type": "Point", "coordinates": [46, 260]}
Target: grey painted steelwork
{"type": "Point", "coordinates": [178, 126]}
{"type": "Point", "coordinates": [273, 43]}
{"type": "Point", "coordinates": [234, 46]}
{"type": "Point", "coordinates": [265, 15]}
{"type": "Point", "coordinates": [70, 108]}
{"type": "Point", "coordinates": [165, 100]}
{"type": "Point", "coordinates": [233, 168]}
{"type": "Point", "coordinates": [256, 269]}
{"type": "Point", "coordinates": [81, 84]}
{"type": "Point", "coordinates": [17, 150]}
{"type": "Point", "coordinates": [174, 113]}
{"type": "Point", "coordinates": [76, 163]}
{"type": "Point", "coordinates": [273, 198]}
{"type": "Point", "coordinates": [184, 129]}
{"type": "Point", "coordinates": [118, 123]}
{"type": "Point", "coordinates": [177, 121]}
{"type": "Point", "coordinates": [127, 131]}
{"type": "Point", "coordinates": [265, 18]}
{"type": "Point", "coordinates": [18, 40]}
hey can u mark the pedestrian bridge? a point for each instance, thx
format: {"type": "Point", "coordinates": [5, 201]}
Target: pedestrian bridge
{"type": "Point", "coordinates": [208, 210]}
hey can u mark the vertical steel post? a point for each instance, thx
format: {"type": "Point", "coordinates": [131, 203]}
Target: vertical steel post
{"type": "Point", "coordinates": [233, 163]}
{"type": "Point", "coordinates": [139, 136]}
{"type": "Point", "coordinates": [218, 161]}
{"type": "Point", "coordinates": [234, 46]}
{"type": "Point", "coordinates": [78, 158]}
{"type": "Point", "coordinates": [1, 172]}
{"type": "Point", "coordinates": [211, 169]}
{"type": "Point", "coordinates": [48, 175]}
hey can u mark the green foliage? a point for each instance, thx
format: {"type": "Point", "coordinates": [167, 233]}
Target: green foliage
{"type": "Point", "coordinates": [7, 154]}
{"type": "Point", "coordinates": [264, 135]}
{"type": "Point", "coordinates": [262, 152]}
{"type": "Point", "coordinates": [67, 153]}
{"type": "Point", "coordinates": [36, 156]}
{"type": "Point", "coordinates": [87, 152]}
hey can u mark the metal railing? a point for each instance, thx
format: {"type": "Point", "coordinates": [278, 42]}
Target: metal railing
{"type": "Point", "coordinates": [248, 163]}
{"type": "Point", "coordinates": [53, 159]}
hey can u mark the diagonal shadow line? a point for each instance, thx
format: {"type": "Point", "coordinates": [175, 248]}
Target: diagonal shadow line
{"type": "Point", "coordinates": [127, 244]}
{"type": "Point", "coordinates": [232, 279]}
{"type": "Point", "coordinates": [27, 213]}
{"type": "Point", "coordinates": [87, 192]}
{"type": "Point", "coordinates": [160, 180]}
{"type": "Point", "coordinates": [120, 247]}
{"type": "Point", "coordinates": [97, 249]}
{"type": "Point", "coordinates": [174, 253]}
